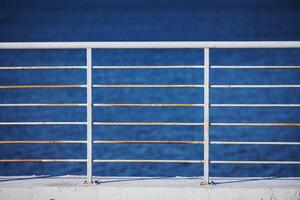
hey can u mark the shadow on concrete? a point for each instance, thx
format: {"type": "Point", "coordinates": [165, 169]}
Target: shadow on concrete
{"type": "Point", "coordinates": [129, 179]}
{"type": "Point", "coordinates": [243, 180]}
{"type": "Point", "coordinates": [25, 178]}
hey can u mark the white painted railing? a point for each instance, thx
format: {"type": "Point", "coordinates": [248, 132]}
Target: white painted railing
{"type": "Point", "coordinates": [89, 46]}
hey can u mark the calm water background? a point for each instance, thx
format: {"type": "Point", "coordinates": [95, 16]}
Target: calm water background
{"type": "Point", "coordinates": [156, 20]}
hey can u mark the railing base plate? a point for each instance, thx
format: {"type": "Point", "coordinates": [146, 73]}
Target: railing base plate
{"type": "Point", "coordinates": [210, 183]}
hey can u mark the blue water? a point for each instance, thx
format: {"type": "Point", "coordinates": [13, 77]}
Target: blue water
{"type": "Point", "coordinates": [159, 20]}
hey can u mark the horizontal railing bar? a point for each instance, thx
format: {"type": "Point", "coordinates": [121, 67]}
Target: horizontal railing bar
{"type": "Point", "coordinates": [146, 86]}
{"type": "Point", "coordinates": [42, 123]}
{"type": "Point", "coordinates": [40, 86]}
{"type": "Point", "coordinates": [142, 142]}
{"type": "Point", "coordinates": [150, 45]}
{"type": "Point", "coordinates": [40, 160]}
{"type": "Point", "coordinates": [148, 67]}
{"type": "Point", "coordinates": [255, 67]}
{"type": "Point", "coordinates": [253, 162]}
{"type": "Point", "coordinates": [148, 161]}
{"type": "Point", "coordinates": [150, 105]}
{"type": "Point", "coordinates": [147, 104]}
{"type": "Point", "coordinates": [41, 104]}
{"type": "Point", "coordinates": [255, 105]}
{"type": "Point", "coordinates": [260, 143]}
{"type": "Point", "coordinates": [255, 86]}
{"type": "Point", "coordinates": [149, 123]}
{"type": "Point", "coordinates": [255, 124]}
{"type": "Point", "coordinates": [43, 142]}
{"type": "Point", "coordinates": [41, 67]}
{"type": "Point", "coordinates": [145, 142]}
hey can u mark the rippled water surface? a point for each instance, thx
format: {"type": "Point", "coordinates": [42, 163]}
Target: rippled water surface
{"type": "Point", "coordinates": [99, 21]}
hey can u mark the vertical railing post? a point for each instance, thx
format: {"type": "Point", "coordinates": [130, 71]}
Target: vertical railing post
{"type": "Point", "coordinates": [206, 116]}
{"type": "Point", "coordinates": [89, 110]}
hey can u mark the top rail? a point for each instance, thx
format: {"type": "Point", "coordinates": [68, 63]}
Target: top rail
{"type": "Point", "coordinates": [149, 45]}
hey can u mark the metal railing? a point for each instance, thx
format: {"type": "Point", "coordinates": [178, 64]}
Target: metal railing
{"type": "Point", "coordinates": [88, 46]}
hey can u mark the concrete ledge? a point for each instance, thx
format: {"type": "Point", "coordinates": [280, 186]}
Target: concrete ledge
{"type": "Point", "coordinates": [145, 188]}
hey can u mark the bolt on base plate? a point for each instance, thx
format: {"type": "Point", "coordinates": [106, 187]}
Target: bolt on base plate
{"type": "Point", "coordinates": [96, 182]}
{"type": "Point", "coordinates": [210, 183]}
